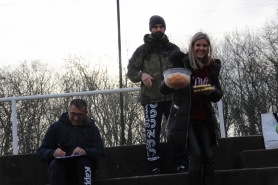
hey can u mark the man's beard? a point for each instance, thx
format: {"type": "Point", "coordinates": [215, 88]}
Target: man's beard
{"type": "Point", "coordinates": [158, 35]}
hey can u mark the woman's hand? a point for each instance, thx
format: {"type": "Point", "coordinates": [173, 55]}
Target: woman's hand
{"type": "Point", "coordinates": [206, 93]}
{"type": "Point", "coordinates": [59, 153]}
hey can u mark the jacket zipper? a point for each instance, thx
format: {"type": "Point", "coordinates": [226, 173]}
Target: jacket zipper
{"type": "Point", "coordinates": [188, 115]}
{"type": "Point", "coordinates": [161, 72]}
{"type": "Point", "coordinates": [211, 118]}
{"type": "Point", "coordinates": [75, 136]}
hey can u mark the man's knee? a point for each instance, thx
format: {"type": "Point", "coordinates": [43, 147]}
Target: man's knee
{"type": "Point", "coordinates": [85, 167]}
{"type": "Point", "coordinates": [56, 166]}
{"type": "Point", "coordinates": [84, 161]}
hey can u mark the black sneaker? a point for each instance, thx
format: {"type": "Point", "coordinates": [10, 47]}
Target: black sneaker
{"type": "Point", "coordinates": [156, 171]}
{"type": "Point", "coordinates": [181, 169]}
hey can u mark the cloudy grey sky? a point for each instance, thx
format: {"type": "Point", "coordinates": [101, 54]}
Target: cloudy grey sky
{"type": "Point", "coordinates": [50, 30]}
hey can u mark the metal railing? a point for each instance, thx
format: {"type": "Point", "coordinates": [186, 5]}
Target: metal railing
{"type": "Point", "coordinates": [14, 100]}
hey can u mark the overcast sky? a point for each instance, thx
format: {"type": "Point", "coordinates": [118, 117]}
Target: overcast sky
{"type": "Point", "coordinates": [50, 30]}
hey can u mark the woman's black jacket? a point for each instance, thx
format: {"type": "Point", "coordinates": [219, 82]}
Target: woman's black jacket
{"type": "Point", "coordinates": [177, 124]}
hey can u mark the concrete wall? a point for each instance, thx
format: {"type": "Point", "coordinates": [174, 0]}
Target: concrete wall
{"type": "Point", "coordinates": [122, 161]}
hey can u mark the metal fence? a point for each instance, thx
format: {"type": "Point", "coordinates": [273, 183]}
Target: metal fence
{"type": "Point", "coordinates": [43, 54]}
{"type": "Point", "coordinates": [28, 129]}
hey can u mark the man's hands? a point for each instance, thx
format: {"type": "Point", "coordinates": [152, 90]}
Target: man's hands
{"type": "Point", "coordinates": [59, 153]}
{"type": "Point", "coordinates": [77, 151]}
{"type": "Point", "coordinates": [147, 80]}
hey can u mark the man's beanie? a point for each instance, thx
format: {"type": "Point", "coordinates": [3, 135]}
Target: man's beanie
{"type": "Point", "coordinates": [156, 19]}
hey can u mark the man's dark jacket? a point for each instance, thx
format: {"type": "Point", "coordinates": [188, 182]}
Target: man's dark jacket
{"type": "Point", "coordinates": [63, 134]}
{"type": "Point", "coordinates": [177, 124]}
{"type": "Point", "coordinates": [152, 58]}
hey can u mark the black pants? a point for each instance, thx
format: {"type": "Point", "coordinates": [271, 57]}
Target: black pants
{"type": "Point", "coordinates": [153, 118]}
{"type": "Point", "coordinates": [63, 171]}
{"type": "Point", "coordinates": [200, 152]}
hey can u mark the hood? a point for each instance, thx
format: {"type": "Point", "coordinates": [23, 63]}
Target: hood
{"type": "Point", "coordinates": [155, 42]}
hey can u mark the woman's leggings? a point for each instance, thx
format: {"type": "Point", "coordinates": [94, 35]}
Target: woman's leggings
{"type": "Point", "coordinates": [200, 152]}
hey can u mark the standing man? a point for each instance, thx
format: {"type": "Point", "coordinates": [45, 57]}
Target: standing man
{"type": "Point", "coordinates": [146, 66]}
{"type": "Point", "coordinates": [70, 146]}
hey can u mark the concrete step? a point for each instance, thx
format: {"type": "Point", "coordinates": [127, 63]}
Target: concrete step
{"type": "Point", "coordinates": [128, 161]}
{"type": "Point", "coordinates": [259, 158]}
{"type": "Point", "coordinates": [258, 176]}
{"type": "Point", "coordinates": [226, 155]}
{"type": "Point", "coordinates": [125, 161]}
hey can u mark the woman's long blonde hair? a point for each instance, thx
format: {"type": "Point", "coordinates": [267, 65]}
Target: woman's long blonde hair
{"type": "Point", "coordinates": [195, 63]}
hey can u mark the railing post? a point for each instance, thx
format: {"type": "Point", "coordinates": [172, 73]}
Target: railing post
{"type": "Point", "coordinates": [14, 119]}
{"type": "Point", "coordinates": [13, 101]}
{"type": "Point", "coordinates": [221, 118]}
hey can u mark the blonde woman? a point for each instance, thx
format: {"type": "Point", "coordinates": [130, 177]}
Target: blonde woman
{"type": "Point", "coordinates": [192, 121]}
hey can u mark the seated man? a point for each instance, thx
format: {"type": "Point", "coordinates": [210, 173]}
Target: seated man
{"type": "Point", "coordinates": [70, 146]}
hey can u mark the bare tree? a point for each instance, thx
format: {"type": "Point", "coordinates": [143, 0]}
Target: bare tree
{"type": "Point", "coordinates": [248, 77]}
{"type": "Point", "coordinates": [28, 78]}
{"type": "Point", "coordinates": [245, 79]}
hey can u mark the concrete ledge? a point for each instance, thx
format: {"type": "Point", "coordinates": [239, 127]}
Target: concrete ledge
{"type": "Point", "coordinates": [259, 158]}
{"type": "Point", "coordinates": [22, 169]}
{"type": "Point", "coordinates": [122, 161]}
{"type": "Point", "coordinates": [164, 179]}
{"type": "Point", "coordinates": [263, 176]}
{"type": "Point", "coordinates": [226, 155]}
{"type": "Point", "coordinates": [258, 176]}
{"type": "Point", "coordinates": [127, 161]}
